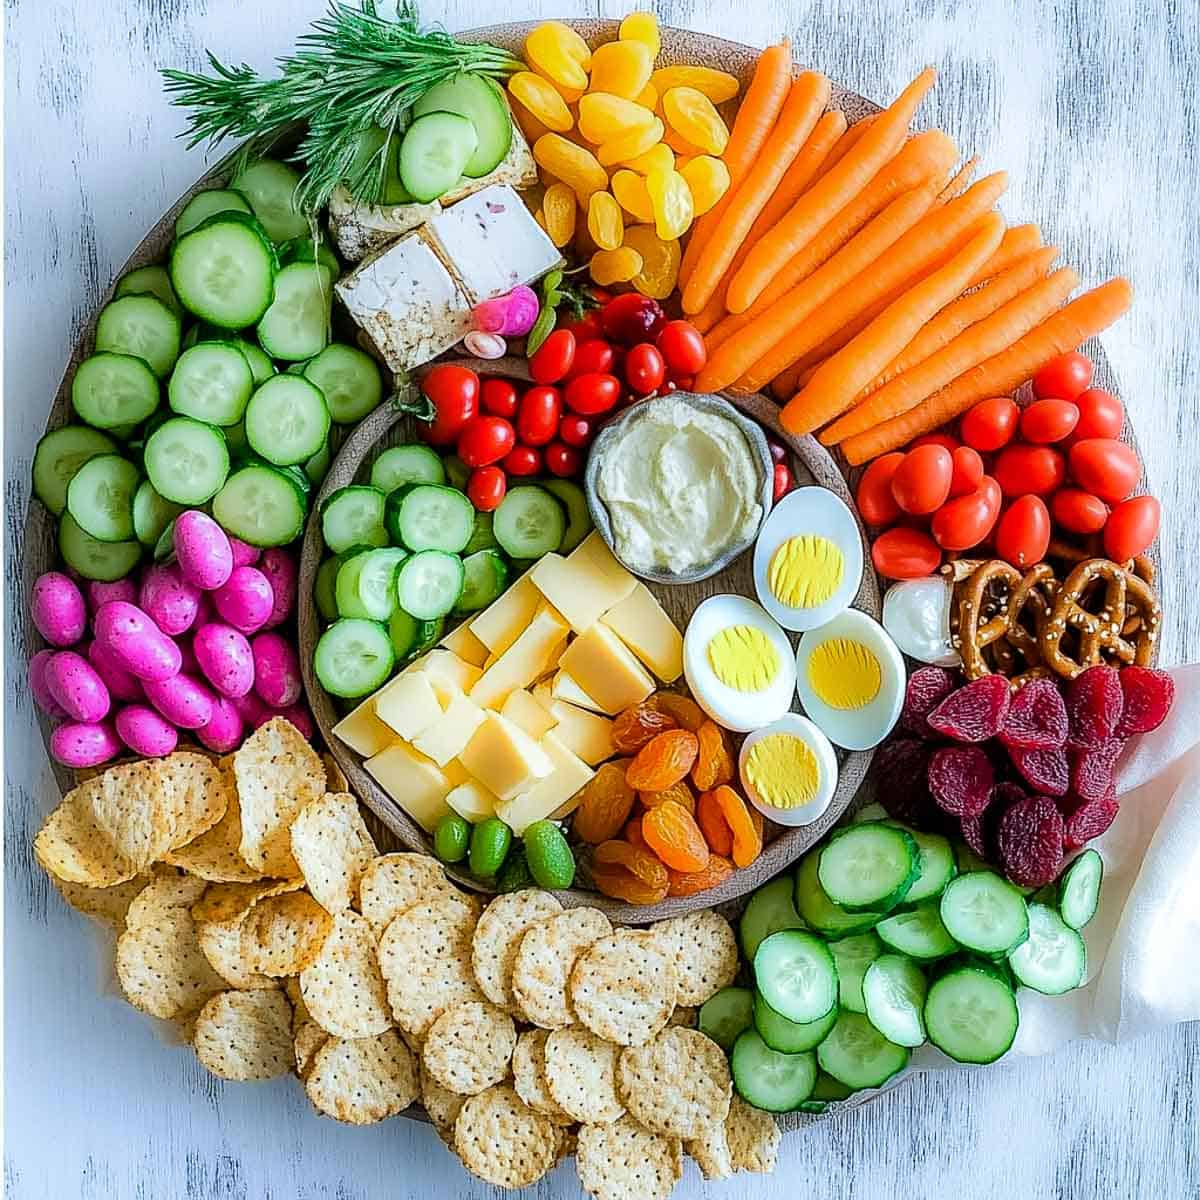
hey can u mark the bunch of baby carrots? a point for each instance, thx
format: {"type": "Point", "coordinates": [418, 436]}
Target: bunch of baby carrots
{"type": "Point", "coordinates": [861, 274]}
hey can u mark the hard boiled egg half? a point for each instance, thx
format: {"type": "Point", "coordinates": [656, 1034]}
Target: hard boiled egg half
{"type": "Point", "coordinates": [789, 770]}
{"type": "Point", "coordinates": [738, 663]}
{"type": "Point", "coordinates": [808, 560]}
{"type": "Point", "coordinates": [851, 679]}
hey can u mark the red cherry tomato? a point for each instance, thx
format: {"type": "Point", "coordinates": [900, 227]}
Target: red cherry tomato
{"type": "Point", "coordinates": [454, 393]}
{"type": "Point", "coordinates": [1022, 470]}
{"type": "Point", "coordinates": [632, 318]}
{"type": "Point", "coordinates": [935, 439]}
{"type": "Point", "coordinates": [551, 361]}
{"type": "Point", "coordinates": [522, 460]}
{"type": "Point", "coordinates": [876, 504]}
{"type": "Point", "coordinates": [1047, 421]}
{"type": "Point", "coordinates": [595, 355]}
{"type": "Point", "coordinates": [486, 488]}
{"type": "Point", "coordinates": [587, 327]}
{"type": "Point", "coordinates": [538, 414]}
{"type": "Point", "coordinates": [1023, 532]}
{"type": "Point", "coordinates": [563, 460]}
{"type": "Point", "coordinates": [682, 345]}
{"type": "Point", "coordinates": [575, 430]}
{"type": "Point", "coordinates": [902, 553]}
{"type": "Point", "coordinates": [963, 523]}
{"type": "Point", "coordinates": [1078, 511]}
{"type": "Point", "coordinates": [1131, 527]}
{"type": "Point", "coordinates": [593, 393]}
{"type": "Point", "coordinates": [1100, 415]}
{"type": "Point", "coordinates": [990, 424]}
{"type": "Point", "coordinates": [498, 397]}
{"type": "Point", "coordinates": [782, 482]}
{"type": "Point", "coordinates": [1105, 467]}
{"type": "Point", "coordinates": [1064, 377]}
{"type": "Point", "coordinates": [968, 471]}
{"type": "Point", "coordinates": [485, 440]}
{"type": "Point", "coordinates": [644, 369]}
{"type": "Point", "coordinates": [922, 481]}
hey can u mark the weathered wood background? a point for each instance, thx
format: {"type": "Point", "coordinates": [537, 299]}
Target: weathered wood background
{"type": "Point", "coordinates": [1092, 109]}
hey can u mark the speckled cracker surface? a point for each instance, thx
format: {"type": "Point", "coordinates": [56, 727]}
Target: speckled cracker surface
{"type": "Point", "coordinates": [504, 1141]}
{"type": "Point", "coordinates": [581, 1075]}
{"type": "Point", "coordinates": [529, 1075]}
{"type": "Point", "coordinates": [440, 1103]}
{"type": "Point", "coordinates": [109, 905]}
{"type": "Point", "coordinates": [625, 1161]}
{"type": "Point", "coordinates": [215, 855]}
{"type": "Point", "coordinates": [753, 1137]}
{"type": "Point", "coordinates": [704, 949]}
{"type": "Point", "coordinates": [623, 988]}
{"type": "Point", "coordinates": [344, 988]}
{"type": "Point", "coordinates": [498, 935]}
{"type": "Point", "coordinates": [362, 1081]}
{"type": "Point", "coordinates": [394, 882]}
{"type": "Point", "coordinates": [245, 1035]}
{"type": "Point", "coordinates": [545, 958]}
{"type": "Point", "coordinates": [332, 847]}
{"type": "Point", "coordinates": [307, 1039]}
{"type": "Point", "coordinates": [677, 1083]}
{"type": "Point", "coordinates": [221, 942]}
{"type": "Point", "coordinates": [469, 1047]}
{"type": "Point", "coordinates": [283, 935]}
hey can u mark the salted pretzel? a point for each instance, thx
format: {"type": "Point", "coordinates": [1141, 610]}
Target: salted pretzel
{"type": "Point", "coordinates": [983, 597]}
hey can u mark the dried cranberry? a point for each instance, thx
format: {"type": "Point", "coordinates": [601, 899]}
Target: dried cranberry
{"type": "Point", "coordinates": [1148, 695]}
{"type": "Point", "coordinates": [975, 712]}
{"type": "Point", "coordinates": [900, 768]}
{"type": "Point", "coordinates": [927, 688]}
{"type": "Point", "coordinates": [1094, 705]}
{"type": "Point", "coordinates": [961, 779]}
{"type": "Point", "coordinates": [1030, 840]}
{"type": "Point", "coordinates": [1089, 821]}
{"type": "Point", "coordinates": [1037, 717]}
{"type": "Point", "coordinates": [1045, 771]}
{"type": "Point", "coordinates": [1092, 770]}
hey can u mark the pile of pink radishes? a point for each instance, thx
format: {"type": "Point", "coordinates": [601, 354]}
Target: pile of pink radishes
{"type": "Point", "coordinates": [187, 646]}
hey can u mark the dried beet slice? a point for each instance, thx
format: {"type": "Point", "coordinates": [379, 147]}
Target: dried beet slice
{"type": "Point", "coordinates": [961, 780]}
{"type": "Point", "coordinates": [900, 768]}
{"type": "Point", "coordinates": [1037, 717]}
{"type": "Point", "coordinates": [1148, 695]}
{"type": "Point", "coordinates": [1092, 770]}
{"type": "Point", "coordinates": [1094, 704]}
{"type": "Point", "coordinates": [927, 688]}
{"type": "Point", "coordinates": [1046, 771]}
{"type": "Point", "coordinates": [1089, 821]}
{"type": "Point", "coordinates": [975, 712]}
{"type": "Point", "coordinates": [1030, 840]}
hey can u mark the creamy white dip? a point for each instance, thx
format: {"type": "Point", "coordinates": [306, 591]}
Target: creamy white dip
{"type": "Point", "coordinates": [681, 486]}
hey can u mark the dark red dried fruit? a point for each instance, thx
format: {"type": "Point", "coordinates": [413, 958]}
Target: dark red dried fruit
{"type": "Point", "coordinates": [960, 780]}
{"type": "Point", "coordinates": [1045, 771]}
{"type": "Point", "coordinates": [979, 832]}
{"type": "Point", "coordinates": [1089, 821]}
{"type": "Point", "coordinates": [1092, 770]}
{"type": "Point", "coordinates": [1094, 705]}
{"type": "Point", "coordinates": [927, 688]}
{"type": "Point", "coordinates": [1148, 695]}
{"type": "Point", "coordinates": [1030, 840]}
{"type": "Point", "coordinates": [900, 769]}
{"type": "Point", "coordinates": [975, 712]}
{"type": "Point", "coordinates": [1037, 717]}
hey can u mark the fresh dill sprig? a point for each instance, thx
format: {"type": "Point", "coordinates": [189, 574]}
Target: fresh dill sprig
{"type": "Point", "coordinates": [352, 73]}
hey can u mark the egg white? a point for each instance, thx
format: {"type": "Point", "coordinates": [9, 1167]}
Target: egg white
{"type": "Point", "coordinates": [739, 711]}
{"type": "Point", "coordinates": [827, 767]}
{"type": "Point", "coordinates": [916, 613]}
{"type": "Point", "coordinates": [854, 728]}
{"type": "Point", "coordinates": [814, 510]}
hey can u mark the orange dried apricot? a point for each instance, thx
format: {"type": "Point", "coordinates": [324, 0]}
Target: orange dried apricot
{"type": "Point", "coordinates": [713, 825]}
{"type": "Point", "coordinates": [633, 832]}
{"type": "Point", "coordinates": [607, 267]}
{"type": "Point", "coordinates": [605, 804]}
{"type": "Point", "coordinates": [689, 883]}
{"type": "Point", "coordinates": [745, 825]}
{"type": "Point", "coordinates": [621, 68]}
{"type": "Point", "coordinates": [634, 727]}
{"type": "Point", "coordinates": [686, 712]}
{"type": "Point", "coordinates": [672, 833]}
{"type": "Point", "coordinates": [662, 761]}
{"type": "Point", "coordinates": [628, 872]}
{"type": "Point", "coordinates": [679, 792]}
{"type": "Point", "coordinates": [714, 760]}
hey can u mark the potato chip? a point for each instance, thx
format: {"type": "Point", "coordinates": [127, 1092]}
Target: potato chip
{"type": "Point", "coordinates": [546, 955]}
{"type": "Point", "coordinates": [753, 1138]}
{"type": "Point", "coordinates": [198, 792]}
{"type": "Point", "coordinates": [278, 775]}
{"type": "Point", "coordinates": [245, 1035]}
{"type": "Point", "coordinates": [494, 947]}
{"type": "Point", "coordinates": [344, 989]}
{"type": "Point", "coordinates": [441, 1104]}
{"type": "Point", "coordinates": [231, 901]}
{"type": "Point", "coordinates": [676, 1084]}
{"type": "Point", "coordinates": [623, 988]}
{"type": "Point", "coordinates": [710, 1149]}
{"type": "Point", "coordinates": [107, 905]}
{"type": "Point", "coordinates": [704, 949]}
{"type": "Point", "coordinates": [134, 810]}
{"type": "Point", "coordinates": [283, 935]}
{"type": "Point", "coordinates": [215, 855]}
{"type": "Point", "coordinates": [624, 1161]}
{"type": "Point", "coordinates": [425, 955]}
{"type": "Point", "coordinates": [332, 847]}
{"type": "Point", "coordinates": [306, 1041]}
{"type": "Point", "coordinates": [160, 965]}
{"type": "Point", "coordinates": [300, 1013]}
{"type": "Point", "coordinates": [504, 1141]}
{"type": "Point", "coordinates": [335, 777]}
{"type": "Point", "coordinates": [469, 1047]}
{"type": "Point", "coordinates": [221, 942]}
{"type": "Point", "coordinates": [362, 1081]}
{"type": "Point", "coordinates": [395, 882]}
{"type": "Point", "coordinates": [581, 1075]}
{"type": "Point", "coordinates": [70, 847]}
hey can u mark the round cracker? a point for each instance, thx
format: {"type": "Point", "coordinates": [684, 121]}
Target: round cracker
{"type": "Point", "coordinates": [753, 1138]}
{"type": "Point", "coordinates": [529, 1075]}
{"type": "Point", "coordinates": [623, 988]}
{"type": "Point", "coordinates": [581, 1075]}
{"type": "Point", "coordinates": [344, 988]}
{"type": "Point", "coordinates": [624, 1161]}
{"type": "Point", "coordinates": [362, 1081]}
{"type": "Point", "coordinates": [498, 935]}
{"type": "Point", "coordinates": [677, 1083]}
{"type": "Point", "coordinates": [504, 1141]}
{"type": "Point", "coordinates": [308, 1038]}
{"type": "Point", "coordinates": [221, 942]}
{"type": "Point", "coordinates": [469, 1047]}
{"type": "Point", "coordinates": [283, 935]}
{"type": "Point", "coordinates": [395, 882]}
{"type": "Point", "coordinates": [545, 958]}
{"type": "Point", "coordinates": [704, 949]}
{"type": "Point", "coordinates": [441, 1105]}
{"type": "Point", "coordinates": [245, 1035]}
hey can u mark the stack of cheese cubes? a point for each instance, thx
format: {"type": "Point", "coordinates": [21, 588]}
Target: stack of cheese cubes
{"type": "Point", "coordinates": [510, 715]}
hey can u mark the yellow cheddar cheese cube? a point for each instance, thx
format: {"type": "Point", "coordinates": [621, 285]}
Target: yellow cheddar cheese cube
{"type": "Point", "coordinates": [447, 736]}
{"type": "Point", "coordinates": [524, 710]}
{"type": "Point", "coordinates": [472, 801]}
{"type": "Point", "coordinates": [606, 670]}
{"type": "Point", "coordinates": [504, 758]}
{"type": "Point", "coordinates": [558, 789]}
{"type": "Point", "coordinates": [456, 773]}
{"type": "Point", "coordinates": [417, 784]}
{"type": "Point", "coordinates": [466, 645]}
{"type": "Point", "coordinates": [448, 673]}
{"type": "Point", "coordinates": [640, 622]}
{"type": "Point", "coordinates": [565, 688]}
{"type": "Point", "coordinates": [584, 733]}
{"type": "Point", "coordinates": [363, 731]}
{"type": "Point", "coordinates": [504, 620]}
{"type": "Point", "coordinates": [523, 661]}
{"type": "Point", "coordinates": [584, 585]}
{"type": "Point", "coordinates": [408, 704]}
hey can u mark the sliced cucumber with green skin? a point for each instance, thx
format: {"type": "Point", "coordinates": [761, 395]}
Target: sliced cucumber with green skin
{"type": "Point", "coordinates": [457, 472]}
{"type": "Point", "coordinates": [149, 281]}
{"type": "Point", "coordinates": [435, 150]}
{"type": "Point", "coordinates": [827, 1088]}
{"type": "Point", "coordinates": [1079, 889]}
{"type": "Point", "coordinates": [830, 920]}
{"type": "Point", "coordinates": [871, 812]}
{"type": "Point", "coordinates": [919, 933]}
{"type": "Point", "coordinates": [428, 516]}
{"type": "Point", "coordinates": [485, 576]}
{"type": "Point", "coordinates": [770, 909]}
{"type": "Point", "coordinates": [858, 1055]}
{"type": "Point", "coordinates": [894, 989]}
{"type": "Point", "coordinates": [142, 326]}
{"type": "Point", "coordinates": [317, 467]}
{"type": "Point", "coordinates": [971, 1015]}
{"type": "Point", "coordinates": [59, 455]}
{"type": "Point", "coordinates": [853, 955]}
{"type": "Point", "coordinates": [366, 583]}
{"type": "Point", "coordinates": [224, 271]}
{"type": "Point", "coordinates": [206, 204]}
{"type": "Point", "coordinates": [403, 630]}
{"type": "Point", "coordinates": [186, 460]}
{"type": "Point", "coordinates": [261, 366]}
{"type": "Point", "coordinates": [296, 325]}
{"type": "Point", "coordinates": [968, 860]}
{"type": "Point", "coordinates": [1054, 958]}
{"type": "Point", "coordinates": [111, 390]}
{"type": "Point", "coordinates": [164, 548]}
{"type": "Point", "coordinates": [790, 1037]}
{"type": "Point", "coordinates": [100, 497]}
{"type": "Point", "coordinates": [287, 421]}
{"type": "Point", "coordinates": [270, 186]}
{"type": "Point", "coordinates": [529, 522]}
{"type": "Point", "coordinates": [936, 866]}
{"type": "Point", "coordinates": [482, 537]}
{"type": "Point", "coordinates": [428, 632]}
{"type": "Point", "coordinates": [309, 249]}
{"type": "Point", "coordinates": [151, 513]}
{"type": "Point", "coordinates": [350, 382]}
{"type": "Point", "coordinates": [353, 516]}
{"type": "Point", "coordinates": [93, 559]}
{"type": "Point", "coordinates": [725, 1015]}
{"type": "Point", "coordinates": [353, 658]}
{"type": "Point", "coordinates": [579, 520]}
{"type": "Point", "coordinates": [235, 439]}
{"type": "Point", "coordinates": [324, 594]}
{"type": "Point", "coordinates": [985, 913]}
{"type": "Point", "coordinates": [796, 975]}
{"type": "Point", "coordinates": [367, 165]}
{"type": "Point", "coordinates": [212, 382]}
{"type": "Point", "coordinates": [430, 583]}
{"type": "Point", "coordinates": [405, 464]}
{"type": "Point", "coordinates": [767, 1079]}
{"type": "Point", "coordinates": [868, 867]}
{"type": "Point", "coordinates": [261, 505]}
{"type": "Point", "coordinates": [478, 99]}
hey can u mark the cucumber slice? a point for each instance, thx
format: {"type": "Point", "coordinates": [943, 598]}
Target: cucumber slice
{"type": "Point", "coordinates": [149, 281]}
{"type": "Point", "coordinates": [235, 439]}
{"type": "Point", "coordinates": [59, 455]}
{"type": "Point", "coordinates": [830, 920]}
{"type": "Point", "coordinates": [985, 913]}
{"type": "Point", "coordinates": [1054, 959]}
{"type": "Point", "coordinates": [767, 1079]}
{"type": "Point", "coordinates": [796, 975]}
{"type": "Point", "coordinates": [212, 382]}
{"type": "Point", "coordinates": [296, 325]}
{"type": "Point", "coordinates": [151, 513]}
{"type": "Point", "coordinates": [287, 421]}
{"type": "Point", "coordinates": [93, 559]}
{"type": "Point", "coordinates": [858, 1055]}
{"type": "Point", "coordinates": [872, 812]}
{"type": "Point", "coordinates": [852, 956]}
{"type": "Point", "coordinates": [187, 461]}
{"type": "Point", "coordinates": [828, 1088]}
{"type": "Point", "coordinates": [457, 472]}
{"type": "Point", "coordinates": [206, 204]}
{"type": "Point", "coordinates": [919, 933]}
{"type": "Point", "coordinates": [403, 631]}
{"type": "Point", "coordinates": [1079, 889]}
{"type": "Point", "coordinates": [270, 187]}
{"type": "Point", "coordinates": [310, 249]}
{"type": "Point", "coordinates": [142, 326]}
{"type": "Point", "coordinates": [317, 467]}
{"type": "Point", "coordinates": [100, 497]}
{"type": "Point", "coordinates": [350, 382]}
{"type": "Point", "coordinates": [428, 632]}
{"type": "Point", "coordinates": [366, 583]}
{"type": "Point", "coordinates": [485, 576]}
{"type": "Point", "coordinates": [353, 516]}
{"type": "Point", "coordinates": [261, 366]}
{"type": "Point", "coordinates": [868, 867]}
{"type": "Point", "coordinates": [579, 520]}
{"type": "Point", "coordinates": [405, 464]}
{"type": "Point", "coordinates": [366, 165]}
{"type": "Point", "coordinates": [430, 583]}
{"type": "Point", "coordinates": [324, 594]}
{"type": "Point", "coordinates": [769, 910]}
{"type": "Point", "coordinates": [725, 1015]}
{"type": "Point", "coordinates": [936, 866]}
{"type": "Point", "coordinates": [110, 391]}
{"type": "Point", "coordinates": [428, 516]}
{"type": "Point", "coordinates": [434, 152]}
{"type": "Point", "coordinates": [529, 522]}
{"type": "Point", "coordinates": [478, 99]}
{"type": "Point", "coordinates": [894, 991]}
{"type": "Point", "coordinates": [261, 505]}
{"type": "Point", "coordinates": [353, 658]}
{"type": "Point", "coordinates": [224, 271]}
{"type": "Point", "coordinates": [971, 1015]}
{"type": "Point", "coordinates": [482, 537]}
{"type": "Point", "coordinates": [164, 548]}
{"type": "Point", "coordinates": [790, 1037]}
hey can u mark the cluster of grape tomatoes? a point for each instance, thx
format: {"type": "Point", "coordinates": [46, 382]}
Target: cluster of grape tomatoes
{"type": "Point", "coordinates": [1013, 478]}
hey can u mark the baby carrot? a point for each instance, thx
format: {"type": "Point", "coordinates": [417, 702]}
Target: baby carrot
{"type": "Point", "coordinates": [847, 142]}
{"type": "Point", "coordinates": [1017, 242]}
{"type": "Point", "coordinates": [961, 180]}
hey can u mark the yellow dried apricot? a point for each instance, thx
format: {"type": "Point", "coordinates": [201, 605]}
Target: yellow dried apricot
{"type": "Point", "coordinates": [657, 158]}
{"type": "Point", "coordinates": [672, 833]}
{"type": "Point", "coordinates": [707, 179]}
{"type": "Point", "coordinates": [614, 266]}
{"type": "Point", "coordinates": [559, 210]}
{"type": "Point", "coordinates": [603, 116]}
{"type": "Point", "coordinates": [604, 804]}
{"type": "Point", "coordinates": [629, 872]}
{"type": "Point", "coordinates": [539, 97]}
{"type": "Point", "coordinates": [528, 124]}
{"type": "Point", "coordinates": [642, 27]}
{"type": "Point", "coordinates": [648, 97]}
{"type": "Point", "coordinates": [681, 146]}
{"type": "Point", "coordinates": [679, 792]}
{"type": "Point", "coordinates": [630, 190]}
{"type": "Point", "coordinates": [718, 86]}
{"type": "Point", "coordinates": [605, 223]}
{"type": "Point", "coordinates": [559, 53]}
{"type": "Point", "coordinates": [630, 145]}
{"type": "Point", "coordinates": [622, 68]}
{"type": "Point", "coordinates": [672, 203]}
{"type": "Point", "coordinates": [662, 761]}
{"type": "Point", "coordinates": [692, 115]}
{"type": "Point", "coordinates": [572, 164]}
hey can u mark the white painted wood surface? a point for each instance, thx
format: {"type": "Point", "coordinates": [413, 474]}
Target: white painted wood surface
{"type": "Point", "coordinates": [1092, 109]}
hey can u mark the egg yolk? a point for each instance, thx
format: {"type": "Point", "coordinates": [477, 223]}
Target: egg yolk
{"type": "Point", "coordinates": [743, 658]}
{"type": "Point", "coordinates": [805, 570]}
{"type": "Point", "coordinates": [844, 673]}
{"type": "Point", "coordinates": [783, 771]}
